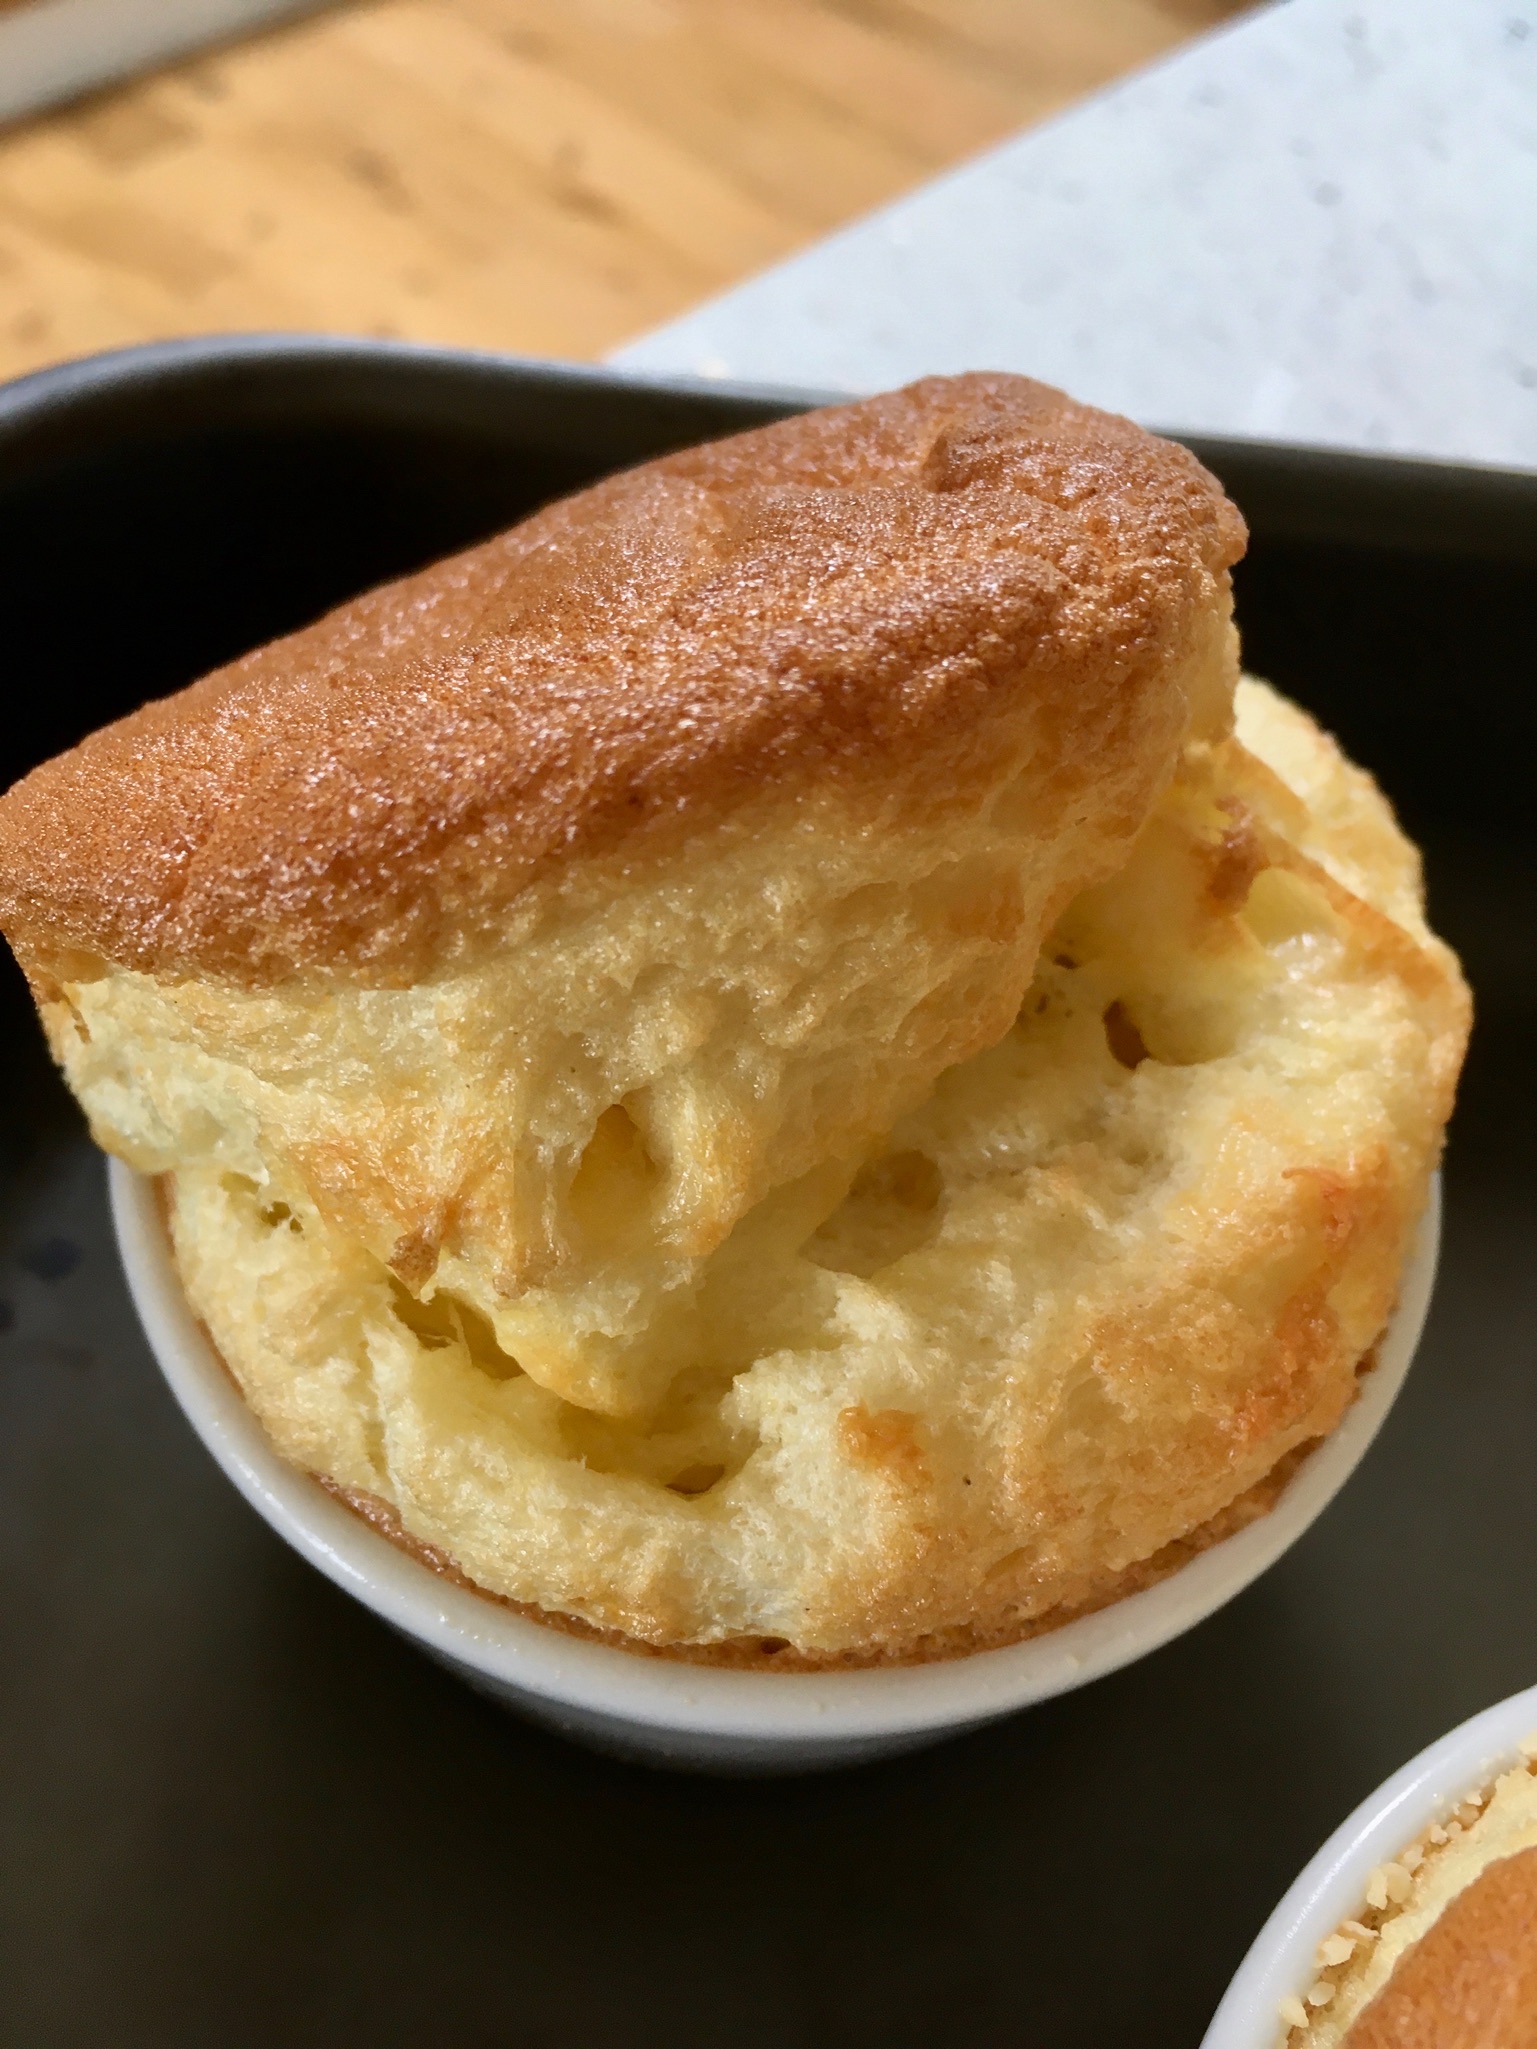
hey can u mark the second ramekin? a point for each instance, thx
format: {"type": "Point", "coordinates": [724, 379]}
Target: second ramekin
{"type": "Point", "coordinates": [1331, 1888]}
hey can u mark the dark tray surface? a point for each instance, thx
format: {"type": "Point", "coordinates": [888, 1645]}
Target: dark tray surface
{"type": "Point", "coordinates": [236, 1810]}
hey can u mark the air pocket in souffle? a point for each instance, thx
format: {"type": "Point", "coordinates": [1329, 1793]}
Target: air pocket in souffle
{"type": "Point", "coordinates": [780, 1062]}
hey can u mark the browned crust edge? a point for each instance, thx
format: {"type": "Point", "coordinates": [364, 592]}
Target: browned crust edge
{"type": "Point", "coordinates": [365, 797]}
{"type": "Point", "coordinates": [1388, 1891]}
{"type": "Point", "coordinates": [775, 1654]}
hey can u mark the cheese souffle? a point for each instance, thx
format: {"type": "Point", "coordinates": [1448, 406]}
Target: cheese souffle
{"type": "Point", "coordinates": [1441, 1952]}
{"type": "Point", "coordinates": [770, 1062]}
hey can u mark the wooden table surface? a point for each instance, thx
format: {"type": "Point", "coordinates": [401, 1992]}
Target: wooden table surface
{"type": "Point", "coordinates": [543, 175]}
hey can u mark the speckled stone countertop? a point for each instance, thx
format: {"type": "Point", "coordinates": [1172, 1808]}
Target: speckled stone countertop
{"type": "Point", "coordinates": [1319, 224]}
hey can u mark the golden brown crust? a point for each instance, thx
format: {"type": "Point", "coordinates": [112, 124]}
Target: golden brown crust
{"type": "Point", "coordinates": [1470, 1982]}
{"type": "Point", "coordinates": [1077, 1302]}
{"type": "Point", "coordinates": [839, 596]}
{"type": "Point", "coordinates": [776, 1654]}
{"type": "Point", "coordinates": [1441, 1952]}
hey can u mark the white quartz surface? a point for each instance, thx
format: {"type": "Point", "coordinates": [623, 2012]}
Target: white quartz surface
{"type": "Point", "coordinates": [1318, 224]}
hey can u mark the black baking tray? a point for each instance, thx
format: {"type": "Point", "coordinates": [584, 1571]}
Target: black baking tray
{"type": "Point", "coordinates": [234, 1809]}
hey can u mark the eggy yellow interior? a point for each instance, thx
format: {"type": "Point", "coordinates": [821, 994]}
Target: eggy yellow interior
{"type": "Point", "coordinates": [962, 1374]}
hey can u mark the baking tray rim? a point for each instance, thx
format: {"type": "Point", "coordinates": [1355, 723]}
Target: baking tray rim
{"type": "Point", "coordinates": [1290, 490]}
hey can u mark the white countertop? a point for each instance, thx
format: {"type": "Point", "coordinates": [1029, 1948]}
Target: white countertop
{"type": "Point", "coordinates": [1318, 224]}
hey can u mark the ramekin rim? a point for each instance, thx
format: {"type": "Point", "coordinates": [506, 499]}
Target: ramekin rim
{"type": "Point", "coordinates": [798, 1708]}
{"type": "Point", "coordinates": [1332, 1884]}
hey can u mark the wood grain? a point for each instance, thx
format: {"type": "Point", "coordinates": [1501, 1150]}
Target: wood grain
{"type": "Point", "coordinates": [543, 175]}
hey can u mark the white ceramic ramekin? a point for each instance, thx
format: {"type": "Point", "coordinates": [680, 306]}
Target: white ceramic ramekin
{"type": "Point", "coordinates": [668, 1712]}
{"type": "Point", "coordinates": [1331, 1888]}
